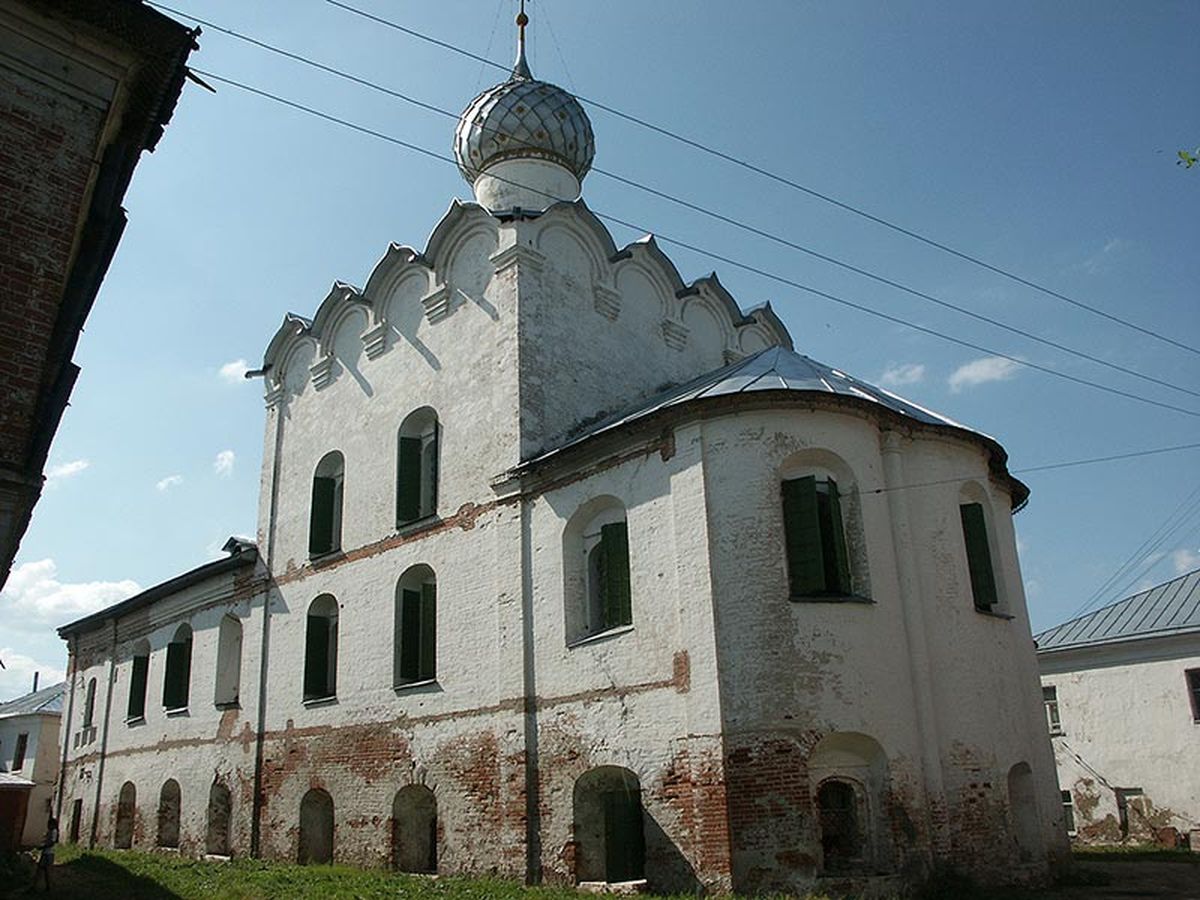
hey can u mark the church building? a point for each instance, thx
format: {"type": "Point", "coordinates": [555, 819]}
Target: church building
{"type": "Point", "coordinates": [568, 570]}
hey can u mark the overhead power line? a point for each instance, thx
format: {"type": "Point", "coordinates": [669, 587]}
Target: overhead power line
{"type": "Point", "coordinates": [407, 98]}
{"type": "Point", "coordinates": [780, 279]}
{"type": "Point", "coordinates": [787, 182]}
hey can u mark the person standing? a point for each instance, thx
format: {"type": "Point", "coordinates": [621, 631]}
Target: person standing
{"type": "Point", "coordinates": [46, 860]}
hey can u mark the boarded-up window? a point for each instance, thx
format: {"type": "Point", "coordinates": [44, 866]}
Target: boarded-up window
{"type": "Point", "coordinates": [316, 828]}
{"type": "Point", "coordinates": [417, 467]}
{"type": "Point", "coordinates": [325, 517]}
{"type": "Point", "coordinates": [168, 814]}
{"type": "Point", "coordinates": [414, 830]}
{"type": "Point", "coordinates": [177, 675]}
{"type": "Point", "coordinates": [138, 678]}
{"type": "Point", "coordinates": [126, 811]}
{"type": "Point", "coordinates": [814, 538]}
{"type": "Point", "coordinates": [219, 804]}
{"type": "Point", "coordinates": [320, 650]}
{"type": "Point", "coordinates": [979, 555]}
{"type": "Point", "coordinates": [415, 629]}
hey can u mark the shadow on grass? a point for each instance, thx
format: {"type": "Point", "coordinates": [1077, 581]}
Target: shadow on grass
{"type": "Point", "coordinates": [86, 876]}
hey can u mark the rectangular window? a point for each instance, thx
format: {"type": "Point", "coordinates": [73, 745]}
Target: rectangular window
{"type": "Point", "coordinates": [178, 674]}
{"type": "Point", "coordinates": [615, 595]}
{"type": "Point", "coordinates": [19, 754]}
{"type": "Point", "coordinates": [1193, 683]}
{"type": "Point", "coordinates": [418, 634]}
{"type": "Point", "coordinates": [137, 688]}
{"type": "Point", "coordinates": [321, 531]}
{"type": "Point", "coordinates": [1068, 803]}
{"type": "Point", "coordinates": [979, 556]}
{"type": "Point", "coordinates": [1050, 702]}
{"type": "Point", "coordinates": [814, 538]}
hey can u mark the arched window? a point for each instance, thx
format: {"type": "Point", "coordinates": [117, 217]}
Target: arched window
{"type": "Point", "coordinates": [89, 705]}
{"type": "Point", "coordinates": [229, 661]}
{"type": "Point", "coordinates": [325, 518]}
{"type": "Point", "coordinates": [219, 805]}
{"type": "Point", "coordinates": [316, 828]}
{"type": "Point", "coordinates": [609, 833]}
{"type": "Point", "coordinates": [126, 811]}
{"type": "Point", "coordinates": [414, 830]}
{"type": "Point", "coordinates": [168, 814]}
{"type": "Point", "coordinates": [417, 467]}
{"type": "Point", "coordinates": [841, 831]}
{"type": "Point", "coordinates": [974, 512]}
{"type": "Point", "coordinates": [815, 537]}
{"type": "Point", "coordinates": [598, 590]}
{"type": "Point", "coordinates": [320, 649]}
{"type": "Point", "coordinates": [138, 679]}
{"type": "Point", "coordinates": [414, 653]}
{"type": "Point", "coordinates": [178, 674]}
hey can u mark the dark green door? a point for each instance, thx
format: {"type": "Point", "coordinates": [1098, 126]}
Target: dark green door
{"type": "Point", "coordinates": [624, 846]}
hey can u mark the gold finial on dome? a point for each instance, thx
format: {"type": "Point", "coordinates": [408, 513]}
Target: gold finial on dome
{"type": "Point", "coordinates": [521, 68]}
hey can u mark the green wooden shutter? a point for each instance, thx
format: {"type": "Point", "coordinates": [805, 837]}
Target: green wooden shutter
{"type": "Point", "coordinates": [614, 574]}
{"type": "Point", "coordinates": [802, 536]}
{"type": "Point", "coordinates": [428, 631]}
{"type": "Point", "coordinates": [174, 691]}
{"type": "Point", "coordinates": [316, 658]}
{"type": "Point", "coordinates": [410, 636]}
{"type": "Point", "coordinates": [137, 687]}
{"type": "Point", "coordinates": [432, 470]}
{"type": "Point", "coordinates": [979, 555]}
{"type": "Point", "coordinates": [408, 481]}
{"type": "Point", "coordinates": [837, 561]}
{"type": "Point", "coordinates": [185, 672]}
{"type": "Point", "coordinates": [320, 528]}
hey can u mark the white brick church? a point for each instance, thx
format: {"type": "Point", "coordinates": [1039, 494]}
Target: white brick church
{"type": "Point", "coordinates": [570, 570]}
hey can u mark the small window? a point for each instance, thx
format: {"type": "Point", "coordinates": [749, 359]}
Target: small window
{"type": "Point", "coordinates": [1050, 702]}
{"type": "Point", "coordinates": [320, 650]}
{"type": "Point", "coordinates": [415, 629]}
{"type": "Point", "coordinates": [979, 556]}
{"type": "Point", "coordinates": [1068, 803]}
{"type": "Point", "coordinates": [815, 539]}
{"type": "Point", "coordinates": [19, 753]}
{"type": "Point", "coordinates": [89, 704]}
{"type": "Point", "coordinates": [1193, 683]}
{"type": "Point", "coordinates": [139, 670]}
{"type": "Point", "coordinates": [178, 675]}
{"type": "Point", "coordinates": [325, 519]}
{"type": "Point", "coordinates": [229, 661]}
{"type": "Point", "coordinates": [417, 467]}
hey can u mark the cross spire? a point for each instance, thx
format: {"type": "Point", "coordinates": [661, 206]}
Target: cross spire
{"type": "Point", "coordinates": [521, 68]}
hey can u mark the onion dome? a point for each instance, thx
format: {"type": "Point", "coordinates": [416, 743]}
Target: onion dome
{"type": "Point", "coordinates": [524, 119]}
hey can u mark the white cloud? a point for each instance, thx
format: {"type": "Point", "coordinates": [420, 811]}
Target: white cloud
{"type": "Point", "coordinates": [57, 473]}
{"type": "Point", "coordinates": [902, 374]}
{"type": "Point", "coordinates": [981, 371]}
{"type": "Point", "coordinates": [16, 678]}
{"type": "Point", "coordinates": [234, 372]}
{"type": "Point", "coordinates": [33, 595]}
{"type": "Point", "coordinates": [1098, 261]}
{"type": "Point", "coordinates": [223, 464]}
{"type": "Point", "coordinates": [169, 482]}
{"type": "Point", "coordinates": [1185, 560]}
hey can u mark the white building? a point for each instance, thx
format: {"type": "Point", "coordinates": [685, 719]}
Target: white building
{"type": "Point", "coordinates": [568, 569]}
{"type": "Point", "coordinates": [1121, 688]}
{"type": "Point", "coordinates": [29, 761]}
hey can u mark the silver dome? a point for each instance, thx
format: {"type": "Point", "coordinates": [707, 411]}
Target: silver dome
{"type": "Point", "coordinates": [523, 118]}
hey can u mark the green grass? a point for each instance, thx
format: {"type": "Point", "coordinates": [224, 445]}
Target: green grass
{"type": "Point", "coordinates": [1135, 853]}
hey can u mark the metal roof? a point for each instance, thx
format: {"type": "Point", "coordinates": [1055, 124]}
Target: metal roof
{"type": "Point", "coordinates": [47, 700]}
{"type": "Point", "coordinates": [1170, 608]}
{"type": "Point", "coordinates": [11, 782]}
{"type": "Point", "coordinates": [772, 369]}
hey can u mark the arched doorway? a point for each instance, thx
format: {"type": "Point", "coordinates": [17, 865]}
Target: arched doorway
{"type": "Point", "coordinates": [168, 814]}
{"type": "Point", "coordinates": [316, 828]}
{"type": "Point", "coordinates": [126, 809]}
{"type": "Point", "coordinates": [414, 830]}
{"type": "Point", "coordinates": [609, 832]}
{"type": "Point", "coordinates": [219, 803]}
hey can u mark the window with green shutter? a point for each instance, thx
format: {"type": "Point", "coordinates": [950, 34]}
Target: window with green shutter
{"type": "Point", "coordinates": [614, 600]}
{"type": "Point", "coordinates": [320, 649]}
{"type": "Point", "coordinates": [325, 518]}
{"type": "Point", "coordinates": [178, 671]}
{"type": "Point", "coordinates": [136, 709]}
{"type": "Point", "coordinates": [415, 629]}
{"type": "Point", "coordinates": [979, 556]}
{"type": "Point", "coordinates": [814, 538]}
{"type": "Point", "coordinates": [417, 467]}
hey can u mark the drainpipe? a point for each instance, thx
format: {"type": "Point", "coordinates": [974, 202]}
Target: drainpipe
{"type": "Point", "coordinates": [912, 596]}
{"type": "Point", "coordinates": [259, 736]}
{"type": "Point", "coordinates": [533, 825]}
{"type": "Point", "coordinates": [112, 677]}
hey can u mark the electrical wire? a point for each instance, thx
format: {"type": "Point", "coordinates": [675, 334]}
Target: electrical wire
{"type": "Point", "coordinates": [787, 182]}
{"type": "Point", "coordinates": [340, 73]}
{"type": "Point", "coordinates": [730, 261]}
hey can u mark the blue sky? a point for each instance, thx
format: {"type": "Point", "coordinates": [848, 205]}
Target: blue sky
{"type": "Point", "coordinates": [1040, 137]}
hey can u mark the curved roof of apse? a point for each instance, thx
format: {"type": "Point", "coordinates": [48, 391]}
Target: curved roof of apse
{"type": "Point", "coordinates": [778, 369]}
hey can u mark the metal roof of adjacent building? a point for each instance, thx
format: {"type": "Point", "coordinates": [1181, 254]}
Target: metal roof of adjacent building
{"type": "Point", "coordinates": [1167, 609]}
{"type": "Point", "coordinates": [49, 700]}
